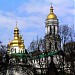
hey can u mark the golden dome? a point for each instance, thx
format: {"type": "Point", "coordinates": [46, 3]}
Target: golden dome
{"type": "Point", "coordinates": [17, 41]}
{"type": "Point", "coordinates": [51, 15]}
{"type": "Point", "coordinates": [22, 46]}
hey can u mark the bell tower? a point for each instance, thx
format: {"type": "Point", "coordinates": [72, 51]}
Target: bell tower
{"type": "Point", "coordinates": [51, 23]}
{"type": "Point", "coordinates": [52, 37]}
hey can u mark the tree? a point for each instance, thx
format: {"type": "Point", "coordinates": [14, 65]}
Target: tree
{"type": "Point", "coordinates": [7, 58]}
{"type": "Point", "coordinates": [38, 44]}
{"type": "Point", "coordinates": [3, 49]}
{"type": "Point", "coordinates": [70, 55]}
{"type": "Point", "coordinates": [0, 56]}
{"type": "Point", "coordinates": [67, 38]}
{"type": "Point", "coordinates": [66, 33]}
{"type": "Point", "coordinates": [32, 45]}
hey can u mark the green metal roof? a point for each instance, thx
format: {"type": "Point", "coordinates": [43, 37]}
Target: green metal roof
{"type": "Point", "coordinates": [42, 55]}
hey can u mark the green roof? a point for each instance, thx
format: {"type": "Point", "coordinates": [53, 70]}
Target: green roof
{"type": "Point", "coordinates": [42, 55]}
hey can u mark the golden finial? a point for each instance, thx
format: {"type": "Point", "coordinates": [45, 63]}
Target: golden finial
{"type": "Point", "coordinates": [16, 23]}
{"type": "Point", "coordinates": [51, 4]}
{"type": "Point", "coordinates": [51, 14]}
{"type": "Point", "coordinates": [16, 28]}
{"type": "Point", "coordinates": [51, 9]}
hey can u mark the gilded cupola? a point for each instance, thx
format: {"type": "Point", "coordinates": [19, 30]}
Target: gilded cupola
{"type": "Point", "coordinates": [51, 14]}
{"type": "Point", "coordinates": [17, 41]}
{"type": "Point", "coordinates": [22, 43]}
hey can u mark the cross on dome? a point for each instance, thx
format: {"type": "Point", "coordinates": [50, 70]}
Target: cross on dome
{"type": "Point", "coordinates": [16, 28]}
{"type": "Point", "coordinates": [16, 23]}
{"type": "Point", "coordinates": [51, 4]}
{"type": "Point", "coordinates": [51, 15]}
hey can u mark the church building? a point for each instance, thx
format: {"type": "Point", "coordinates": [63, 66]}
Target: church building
{"type": "Point", "coordinates": [52, 38]}
{"type": "Point", "coordinates": [52, 41]}
{"type": "Point", "coordinates": [17, 44]}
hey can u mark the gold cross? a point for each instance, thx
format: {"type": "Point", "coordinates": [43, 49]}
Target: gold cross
{"type": "Point", "coordinates": [51, 4]}
{"type": "Point", "coordinates": [16, 23]}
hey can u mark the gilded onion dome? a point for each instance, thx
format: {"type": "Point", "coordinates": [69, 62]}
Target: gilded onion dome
{"type": "Point", "coordinates": [22, 43]}
{"type": "Point", "coordinates": [51, 15]}
{"type": "Point", "coordinates": [17, 41]}
{"type": "Point", "coordinates": [22, 46]}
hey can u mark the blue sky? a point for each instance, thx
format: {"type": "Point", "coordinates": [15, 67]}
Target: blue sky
{"type": "Point", "coordinates": [31, 16]}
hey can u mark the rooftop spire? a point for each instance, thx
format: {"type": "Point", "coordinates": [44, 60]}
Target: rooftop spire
{"type": "Point", "coordinates": [51, 9]}
{"type": "Point", "coordinates": [51, 14]}
{"type": "Point", "coordinates": [16, 23]}
{"type": "Point", "coordinates": [51, 4]}
{"type": "Point", "coordinates": [16, 28]}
